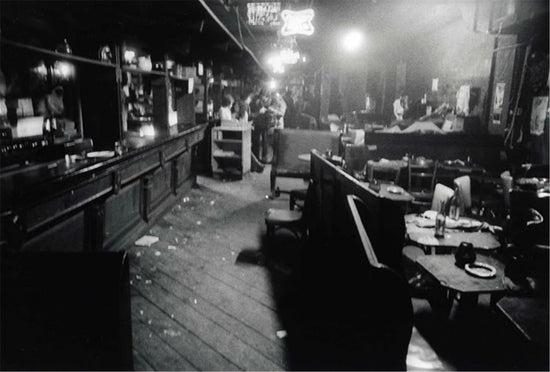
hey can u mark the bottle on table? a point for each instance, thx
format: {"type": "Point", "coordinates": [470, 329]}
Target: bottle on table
{"type": "Point", "coordinates": [440, 221]}
{"type": "Point", "coordinates": [455, 204]}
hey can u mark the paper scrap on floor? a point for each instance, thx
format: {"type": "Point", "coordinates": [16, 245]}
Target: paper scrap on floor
{"type": "Point", "coordinates": [146, 241]}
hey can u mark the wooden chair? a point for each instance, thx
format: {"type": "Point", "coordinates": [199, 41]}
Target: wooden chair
{"type": "Point", "coordinates": [390, 174]}
{"type": "Point", "coordinates": [292, 220]}
{"type": "Point", "coordinates": [445, 174]}
{"type": "Point", "coordinates": [442, 194]}
{"type": "Point", "coordinates": [288, 144]}
{"type": "Point", "coordinates": [297, 198]}
{"type": "Point", "coordinates": [421, 183]}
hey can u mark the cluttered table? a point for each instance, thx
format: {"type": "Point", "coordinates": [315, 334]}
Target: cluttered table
{"type": "Point", "coordinates": [421, 232]}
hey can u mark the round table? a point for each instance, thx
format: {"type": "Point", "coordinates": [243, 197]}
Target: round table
{"type": "Point", "coordinates": [424, 237]}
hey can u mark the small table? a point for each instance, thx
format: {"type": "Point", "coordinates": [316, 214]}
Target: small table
{"type": "Point", "coordinates": [457, 281]}
{"type": "Point", "coordinates": [529, 315]}
{"type": "Point", "coordinates": [425, 239]}
{"type": "Point", "coordinates": [403, 197]}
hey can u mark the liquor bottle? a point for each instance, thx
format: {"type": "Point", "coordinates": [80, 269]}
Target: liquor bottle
{"type": "Point", "coordinates": [455, 204]}
{"type": "Point", "coordinates": [440, 221]}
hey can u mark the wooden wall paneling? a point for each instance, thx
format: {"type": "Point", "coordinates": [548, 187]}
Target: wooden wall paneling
{"type": "Point", "coordinates": [175, 148]}
{"type": "Point", "coordinates": [174, 176]}
{"type": "Point", "coordinates": [139, 166]}
{"type": "Point", "coordinates": [40, 214]}
{"type": "Point", "coordinates": [145, 198]}
{"type": "Point", "coordinates": [65, 236]}
{"type": "Point", "coordinates": [160, 186]}
{"type": "Point", "coordinates": [94, 220]}
{"type": "Point", "coordinates": [184, 168]}
{"type": "Point", "coordinates": [122, 213]}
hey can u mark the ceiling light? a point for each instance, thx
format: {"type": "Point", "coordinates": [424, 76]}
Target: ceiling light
{"type": "Point", "coordinates": [352, 41]}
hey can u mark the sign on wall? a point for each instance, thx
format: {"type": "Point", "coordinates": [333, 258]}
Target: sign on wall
{"type": "Point", "coordinates": [263, 13]}
{"type": "Point", "coordinates": [297, 22]}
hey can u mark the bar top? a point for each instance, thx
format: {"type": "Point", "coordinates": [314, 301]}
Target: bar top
{"type": "Point", "coordinates": [15, 182]}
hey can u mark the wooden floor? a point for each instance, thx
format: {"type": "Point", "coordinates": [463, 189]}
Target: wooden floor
{"type": "Point", "coordinates": [196, 303]}
{"type": "Point", "coordinates": [204, 297]}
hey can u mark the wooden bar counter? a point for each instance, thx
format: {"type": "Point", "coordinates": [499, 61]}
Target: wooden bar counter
{"type": "Point", "coordinates": [94, 204]}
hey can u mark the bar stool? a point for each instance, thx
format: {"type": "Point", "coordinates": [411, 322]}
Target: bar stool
{"type": "Point", "coordinates": [276, 219]}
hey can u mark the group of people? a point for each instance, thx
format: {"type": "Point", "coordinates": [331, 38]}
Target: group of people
{"type": "Point", "coordinates": [263, 111]}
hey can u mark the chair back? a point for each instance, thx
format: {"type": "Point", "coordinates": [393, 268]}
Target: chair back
{"type": "Point", "coordinates": [356, 157]}
{"type": "Point", "coordinates": [421, 176]}
{"type": "Point", "coordinates": [389, 314]}
{"type": "Point", "coordinates": [445, 174]}
{"type": "Point", "coordinates": [442, 194]}
{"type": "Point", "coordinates": [390, 174]}
{"type": "Point", "coordinates": [465, 190]}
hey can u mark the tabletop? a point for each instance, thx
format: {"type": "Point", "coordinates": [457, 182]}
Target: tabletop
{"type": "Point", "coordinates": [442, 267]}
{"type": "Point", "coordinates": [392, 192]}
{"type": "Point", "coordinates": [424, 236]}
{"type": "Point", "coordinates": [528, 314]}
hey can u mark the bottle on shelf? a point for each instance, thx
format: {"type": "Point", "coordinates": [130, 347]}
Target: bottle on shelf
{"type": "Point", "coordinates": [440, 221]}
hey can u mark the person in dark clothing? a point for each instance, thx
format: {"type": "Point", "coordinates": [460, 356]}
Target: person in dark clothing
{"type": "Point", "coordinates": [290, 113]}
{"type": "Point", "coordinates": [260, 121]}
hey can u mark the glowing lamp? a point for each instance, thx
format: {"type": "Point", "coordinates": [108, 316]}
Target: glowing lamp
{"type": "Point", "coordinates": [63, 70]}
{"type": "Point", "coordinates": [129, 56]}
{"type": "Point", "coordinates": [352, 41]}
{"type": "Point", "coordinates": [272, 84]}
{"type": "Point", "coordinates": [289, 56]}
{"type": "Point", "coordinates": [297, 22]}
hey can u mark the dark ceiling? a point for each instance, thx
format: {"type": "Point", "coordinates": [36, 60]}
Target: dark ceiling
{"type": "Point", "coordinates": [385, 23]}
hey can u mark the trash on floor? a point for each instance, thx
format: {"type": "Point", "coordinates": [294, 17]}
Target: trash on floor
{"type": "Point", "coordinates": [148, 281]}
{"type": "Point", "coordinates": [146, 241]}
{"type": "Point", "coordinates": [172, 247]}
{"type": "Point", "coordinates": [157, 253]}
{"type": "Point", "coordinates": [281, 334]}
{"type": "Point", "coordinates": [212, 202]}
{"type": "Point", "coordinates": [138, 254]}
{"type": "Point", "coordinates": [199, 222]}
{"type": "Point", "coordinates": [172, 333]}
{"type": "Point", "coordinates": [186, 199]}
{"type": "Point", "coordinates": [138, 277]}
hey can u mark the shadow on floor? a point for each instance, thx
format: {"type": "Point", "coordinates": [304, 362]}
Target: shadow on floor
{"type": "Point", "coordinates": [323, 317]}
{"type": "Point", "coordinates": [326, 332]}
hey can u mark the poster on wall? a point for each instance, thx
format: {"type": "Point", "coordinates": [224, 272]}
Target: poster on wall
{"type": "Point", "coordinates": [538, 115]}
{"type": "Point", "coordinates": [498, 102]}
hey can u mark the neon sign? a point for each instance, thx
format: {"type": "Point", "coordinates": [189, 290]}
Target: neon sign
{"type": "Point", "coordinates": [263, 13]}
{"type": "Point", "coordinates": [297, 22]}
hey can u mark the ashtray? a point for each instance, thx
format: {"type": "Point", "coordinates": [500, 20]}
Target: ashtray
{"type": "Point", "coordinates": [395, 189]}
{"type": "Point", "coordinates": [480, 270]}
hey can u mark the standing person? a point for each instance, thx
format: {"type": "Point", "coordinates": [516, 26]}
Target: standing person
{"type": "Point", "coordinates": [290, 117]}
{"type": "Point", "coordinates": [260, 122]}
{"type": "Point", "coordinates": [225, 109]}
{"type": "Point", "coordinates": [240, 112]}
{"type": "Point", "coordinates": [277, 109]}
